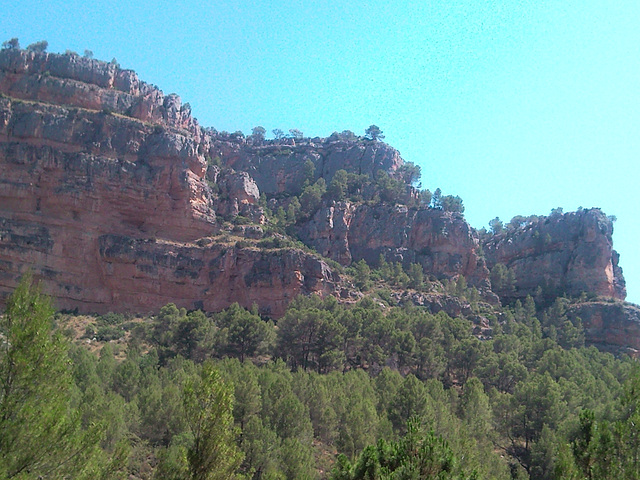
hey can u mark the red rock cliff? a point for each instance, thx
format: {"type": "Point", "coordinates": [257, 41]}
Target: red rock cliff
{"type": "Point", "coordinates": [105, 193]}
{"type": "Point", "coordinates": [108, 192]}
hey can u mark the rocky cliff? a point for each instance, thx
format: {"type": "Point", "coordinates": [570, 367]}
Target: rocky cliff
{"type": "Point", "coordinates": [283, 168]}
{"type": "Point", "coordinates": [612, 326]}
{"type": "Point", "coordinates": [70, 80]}
{"type": "Point", "coordinates": [442, 242]}
{"type": "Point", "coordinates": [112, 193]}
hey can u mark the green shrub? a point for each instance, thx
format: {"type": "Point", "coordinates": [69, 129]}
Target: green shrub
{"type": "Point", "coordinates": [106, 333]}
{"type": "Point", "coordinates": [90, 331]}
{"type": "Point", "coordinates": [274, 242]}
{"type": "Point", "coordinates": [240, 220]}
{"type": "Point", "coordinates": [243, 244]}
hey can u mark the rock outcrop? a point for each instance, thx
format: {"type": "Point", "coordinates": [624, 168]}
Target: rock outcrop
{"type": "Point", "coordinates": [563, 253]}
{"type": "Point", "coordinates": [283, 169]}
{"type": "Point", "coordinates": [611, 326]}
{"type": "Point", "coordinates": [71, 80]}
{"type": "Point", "coordinates": [442, 242]}
{"type": "Point", "coordinates": [145, 273]}
{"type": "Point", "coordinates": [112, 193]}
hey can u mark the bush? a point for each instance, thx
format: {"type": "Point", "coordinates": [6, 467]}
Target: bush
{"type": "Point", "coordinates": [240, 220]}
{"type": "Point", "coordinates": [38, 47]}
{"type": "Point", "coordinates": [386, 295]}
{"type": "Point", "coordinates": [90, 331]}
{"type": "Point", "coordinates": [273, 242]}
{"type": "Point", "coordinates": [106, 333]}
{"type": "Point", "coordinates": [110, 319]}
{"type": "Point", "coordinates": [12, 44]}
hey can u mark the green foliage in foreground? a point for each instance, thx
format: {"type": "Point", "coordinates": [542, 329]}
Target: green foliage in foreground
{"type": "Point", "coordinates": [330, 391]}
{"type": "Point", "coordinates": [41, 435]}
{"type": "Point", "coordinates": [208, 403]}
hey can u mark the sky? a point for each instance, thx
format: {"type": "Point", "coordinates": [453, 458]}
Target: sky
{"type": "Point", "coordinates": [518, 107]}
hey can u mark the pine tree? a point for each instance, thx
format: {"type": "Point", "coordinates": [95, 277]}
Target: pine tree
{"type": "Point", "coordinates": [208, 404]}
{"type": "Point", "coordinates": [39, 435]}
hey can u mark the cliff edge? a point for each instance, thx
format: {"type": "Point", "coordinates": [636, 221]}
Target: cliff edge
{"type": "Point", "coordinates": [106, 195]}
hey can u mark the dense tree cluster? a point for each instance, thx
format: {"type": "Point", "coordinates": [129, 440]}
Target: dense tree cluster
{"type": "Point", "coordinates": [38, 47]}
{"type": "Point", "coordinates": [448, 203]}
{"type": "Point", "coordinates": [11, 44]}
{"type": "Point", "coordinates": [42, 434]}
{"type": "Point", "coordinates": [354, 392]}
{"type": "Point", "coordinates": [393, 188]}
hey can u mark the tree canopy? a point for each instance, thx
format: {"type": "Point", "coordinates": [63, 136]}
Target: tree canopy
{"type": "Point", "coordinates": [395, 391]}
{"type": "Point", "coordinates": [11, 44]}
{"type": "Point", "coordinates": [38, 47]}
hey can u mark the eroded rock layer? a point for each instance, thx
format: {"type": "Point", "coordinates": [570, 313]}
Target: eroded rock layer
{"type": "Point", "coordinates": [279, 169]}
{"type": "Point", "coordinates": [112, 193]}
{"type": "Point", "coordinates": [442, 242]}
{"type": "Point", "coordinates": [612, 326]}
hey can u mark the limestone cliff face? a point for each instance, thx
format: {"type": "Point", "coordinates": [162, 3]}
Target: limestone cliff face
{"type": "Point", "coordinates": [89, 168]}
{"type": "Point", "coordinates": [140, 272]}
{"type": "Point", "coordinates": [71, 80]}
{"type": "Point", "coordinates": [442, 242]}
{"type": "Point", "coordinates": [114, 210]}
{"type": "Point", "coordinates": [570, 253]}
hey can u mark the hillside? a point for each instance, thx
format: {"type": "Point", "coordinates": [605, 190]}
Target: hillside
{"type": "Point", "coordinates": [300, 297]}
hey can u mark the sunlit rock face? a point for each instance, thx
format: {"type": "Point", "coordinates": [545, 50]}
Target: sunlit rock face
{"type": "Point", "coordinates": [283, 169]}
{"type": "Point", "coordinates": [107, 196]}
{"type": "Point", "coordinates": [611, 326]}
{"type": "Point", "coordinates": [442, 242]}
{"type": "Point", "coordinates": [86, 83]}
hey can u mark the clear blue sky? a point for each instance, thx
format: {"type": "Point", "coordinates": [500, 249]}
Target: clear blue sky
{"type": "Point", "coordinates": [516, 106]}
